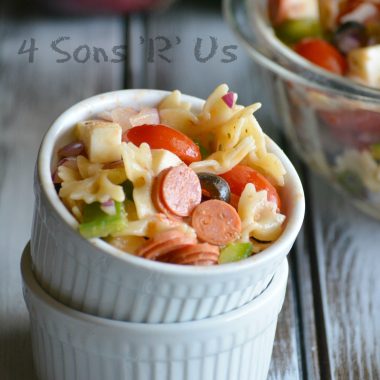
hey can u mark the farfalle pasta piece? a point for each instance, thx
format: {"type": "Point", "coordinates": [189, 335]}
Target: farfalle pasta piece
{"type": "Point", "coordinates": [138, 168]}
{"type": "Point", "coordinates": [259, 217]}
{"type": "Point", "coordinates": [182, 119]}
{"type": "Point", "coordinates": [223, 161]}
{"type": "Point", "coordinates": [86, 168]}
{"type": "Point", "coordinates": [173, 101]}
{"type": "Point", "coordinates": [175, 113]}
{"type": "Point", "coordinates": [270, 165]}
{"type": "Point", "coordinates": [93, 189]}
{"type": "Point", "coordinates": [152, 224]}
{"type": "Point", "coordinates": [68, 174]}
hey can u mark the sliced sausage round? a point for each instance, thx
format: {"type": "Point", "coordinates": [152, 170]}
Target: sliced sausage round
{"type": "Point", "coordinates": [216, 222]}
{"type": "Point", "coordinates": [181, 190]}
{"type": "Point", "coordinates": [159, 238]}
{"type": "Point", "coordinates": [198, 257]}
{"type": "Point", "coordinates": [157, 194]}
{"type": "Point", "coordinates": [168, 246]}
{"type": "Point", "coordinates": [192, 254]}
{"type": "Point", "coordinates": [204, 263]}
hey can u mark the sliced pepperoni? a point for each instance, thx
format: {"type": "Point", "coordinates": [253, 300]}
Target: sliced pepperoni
{"type": "Point", "coordinates": [198, 257]}
{"type": "Point", "coordinates": [196, 248]}
{"type": "Point", "coordinates": [204, 263]}
{"type": "Point", "coordinates": [192, 259]}
{"type": "Point", "coordinates": [191, 254]}
{"type": "Point", "coordinates": [168, 246]}
{"type": "Point", "coordinates": [158, 239]}
{"type": "Point", "coordinates": [181, 190]}
{"type": "Point", "coordinates": [156, 192]}
{"type": "Point", "coordinates": [216, 222]}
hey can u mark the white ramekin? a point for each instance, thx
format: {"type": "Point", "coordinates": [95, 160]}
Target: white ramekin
{"type": "Point", "coordinates": [70, 345]}
{"type": "Point", "coordinates": [96, 278]}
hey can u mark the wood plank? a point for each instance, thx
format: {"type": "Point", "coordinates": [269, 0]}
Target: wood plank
{"type": "Point", "coordinates": [311, 344]}
{"type": "Point", "coordinates": [32, 96]}
{"type": "Point", "coordinates": [347, 258]}
{"type": "Point", "coordinates": [285, 363]}
{"type": "Point", "coordinates": [186, 73]}
{"type": "Point", "coordinates": [307, 329]}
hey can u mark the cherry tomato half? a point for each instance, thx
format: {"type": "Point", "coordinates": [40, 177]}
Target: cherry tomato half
{"type": "Point", "coordinates": [322, 54]}
{"type": "Point", "coordinates": [240, 175]}
{"type": "Point", "coordinates": [162, 137]}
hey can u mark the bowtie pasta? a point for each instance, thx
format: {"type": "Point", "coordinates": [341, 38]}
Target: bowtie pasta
{"type": "Point", "coordinates": [172, 185]}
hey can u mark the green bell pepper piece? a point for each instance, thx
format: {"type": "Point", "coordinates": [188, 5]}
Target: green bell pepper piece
{"type": "Point", "coordinates": [292, 31]}
{"type": "Point", "coordinates": [235, 252]}
{"type": "Point", "coordinates": [204, 152]}
{"type": "Point", "coordinates": [96, 223]}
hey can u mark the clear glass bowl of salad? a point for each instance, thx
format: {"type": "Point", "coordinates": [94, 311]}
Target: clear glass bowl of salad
{"type": "Point", "coordinates": [331, 118]}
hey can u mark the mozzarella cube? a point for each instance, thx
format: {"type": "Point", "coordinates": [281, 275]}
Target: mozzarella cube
{"type": "Point", "coordinates": [102, 140]}
{"type": "Point", "coordinates": [293, 10]}
{"type": "Point", "coordinates": [364, 65]}
{"type": "Point", "coordinates": [162, 159]}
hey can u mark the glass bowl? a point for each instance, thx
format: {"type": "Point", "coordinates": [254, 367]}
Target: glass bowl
{"type": "Point", "coordinates": [332, 122]}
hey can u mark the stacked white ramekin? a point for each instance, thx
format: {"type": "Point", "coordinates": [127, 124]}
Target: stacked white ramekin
{"type": "Point", "coordinates": [100, 313]}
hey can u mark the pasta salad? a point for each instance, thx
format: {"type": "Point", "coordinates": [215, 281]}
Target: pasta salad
{"type": "Point", "coordinates": [172, 185]}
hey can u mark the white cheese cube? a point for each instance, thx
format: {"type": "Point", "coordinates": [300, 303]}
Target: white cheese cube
{"type": "Point", "coordinates": [364, 65]}
{"type": "Point", "coordinates": [162, 159]}
{"type": "Point", "coordinates": [295, 10]}
{"type": "Point", "coordinates": [102, 140]}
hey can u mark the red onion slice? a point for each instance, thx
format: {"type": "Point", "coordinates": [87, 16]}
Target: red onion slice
{"type": "Point", "coordinates": [230, 99]}
{"type": "Point", "coordinates": [71, 150]}
{"type": "Point", "coordinates": [108, 207]}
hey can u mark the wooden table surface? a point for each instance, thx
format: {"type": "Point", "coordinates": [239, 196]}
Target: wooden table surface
{"type": "Point", "coordinates": [329, 327]}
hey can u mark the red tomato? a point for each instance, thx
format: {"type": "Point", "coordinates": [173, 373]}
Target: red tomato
{"type": "Point", "coordinates": [163, 137]}
{"type": "Point", "coordinates": [322, 54]}
{"type": "Point", "coordinates": [240, 175]}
